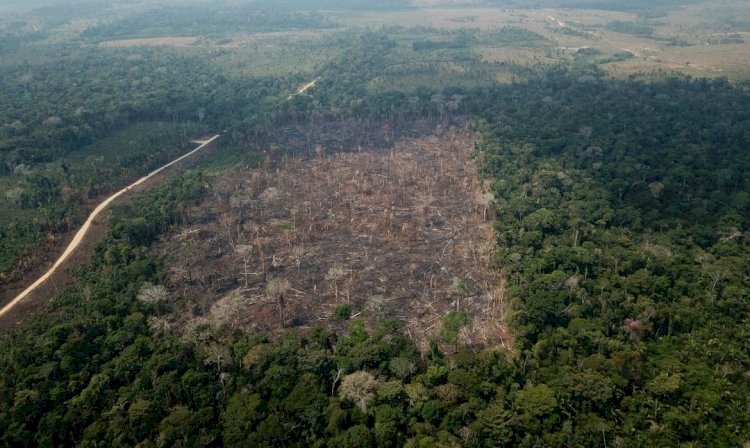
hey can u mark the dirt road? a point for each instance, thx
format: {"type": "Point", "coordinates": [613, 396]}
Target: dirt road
{"type": "Point", "coordinates": [304, 88]}
{"type": "Point", "coordinates": [85, 228]}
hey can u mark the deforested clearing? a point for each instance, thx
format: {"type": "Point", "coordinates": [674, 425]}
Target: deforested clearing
{"type": "Point", "coordinates": [399, 233]}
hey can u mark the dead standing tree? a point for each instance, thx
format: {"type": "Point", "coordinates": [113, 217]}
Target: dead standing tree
{"type": "Point", "coordinates": [360, 388]}
{"type": "Point", "coordinates": [245, 251]}
{"type": "Point", "coordinates": [153, 296]}
{"type": "Point", "coordinates": [334, 274]}
{"type": "Point", "coordinates": [275, 290]}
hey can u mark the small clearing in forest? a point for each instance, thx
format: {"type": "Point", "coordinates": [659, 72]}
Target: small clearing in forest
{"type": "Point", "coordinates": [402, 233]}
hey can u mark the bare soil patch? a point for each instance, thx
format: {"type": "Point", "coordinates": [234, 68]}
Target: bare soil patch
{"type": "Point", "coordinates": [398, 233]}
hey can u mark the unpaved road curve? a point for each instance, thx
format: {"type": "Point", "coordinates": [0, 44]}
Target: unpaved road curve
{"type": "Point", "coordinates": [82, 232]}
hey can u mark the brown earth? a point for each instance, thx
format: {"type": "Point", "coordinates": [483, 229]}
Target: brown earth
{"type": "Point", "coordinates": [398, 233]}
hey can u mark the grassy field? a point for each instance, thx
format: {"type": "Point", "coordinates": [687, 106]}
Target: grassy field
{"type": "Point", "coordinates": [708, 39]}
{"type": "Point", "coordinates": [250, 54]}
{"type": "Point", "coordinates": [704, 40]}
{"type": "Point", "coordinates": [276, 54]}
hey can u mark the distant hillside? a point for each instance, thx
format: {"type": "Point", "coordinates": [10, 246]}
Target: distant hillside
{"type": "Point", "coordinates": [640, 6]}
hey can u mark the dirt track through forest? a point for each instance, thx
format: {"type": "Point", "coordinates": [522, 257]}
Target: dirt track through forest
{"type": "Point", "coordinates": [304, 88]}
{"type": "Point", "coordinates": [78, 238]}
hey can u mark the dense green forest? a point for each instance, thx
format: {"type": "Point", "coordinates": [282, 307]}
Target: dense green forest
{"type": "Point", "coordinates": [621, 213]}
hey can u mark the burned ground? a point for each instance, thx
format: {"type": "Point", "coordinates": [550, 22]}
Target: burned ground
{"type": "Point", "coordinates": [397, 233]}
